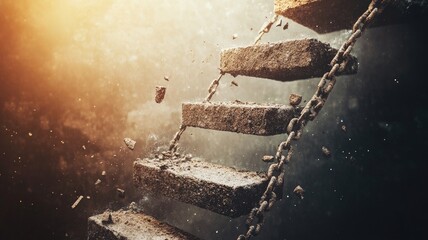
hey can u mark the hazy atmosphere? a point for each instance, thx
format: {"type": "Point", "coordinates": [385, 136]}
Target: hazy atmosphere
{"type": "Point", "coordinates": [78, 76]}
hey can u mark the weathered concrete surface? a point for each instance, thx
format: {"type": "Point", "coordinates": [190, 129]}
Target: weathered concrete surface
{"type": "Point", "coordinates": [247, 118]}
{"type": "Point", "coordinates": [128, 225]}
{"type": "Point", "coordinates": [325, 16]}
{"type": "Point", "coordinates": [282, 61]}
{"type": "Point", "coordinates": [220, 189]}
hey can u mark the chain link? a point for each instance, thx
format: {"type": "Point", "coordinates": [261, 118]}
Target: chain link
{"type": "Point", "coordinates": [276, 171]}
{"type": "Point", "coordinates": [266, 28]}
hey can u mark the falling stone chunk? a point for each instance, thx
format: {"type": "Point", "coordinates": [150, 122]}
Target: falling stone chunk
{"type": "Point", "coordinates": [283, 61]}
{"type": "Point", "coordinates": [97, 182]}
{"type": "Point", "coordinates": [285, 26]}
{"type": "Point", "coordinates": [326, 151]}
{"type": "Point", "coordinates": [343, 128]}
{"type": "Point", "coordinates": [120, 192]}
{"type": "Point", "coordinates": [295, 99]}
{"type": "Point", "coordinates": [166, 78]}
{"type": "Point", "coordinates": [131, 225]}
{"type": "Point", "coordinates": [279, 24]}
{"type": "Point", "coordinates": [299, 191]}
{"type": "Point", "coordinates": [130, 143]}
{"type": "Point", "coordinates": [160, 94]}
{"type": "Point", "coordinates": [263, 120]}
{"type": "Point", "coordinates": [268, 158]}
{"type": "Point", "coordinates": [77, 202]}
{"type": "Point", "coordinates": [106, 218]}
{"type": "Point", "coordinates": [103, 173]}
{"type": "Point", "coordinates": [220, 189]}
{"type": "Point", "coordinates": [325, 16]}
{"type": "Point", "coordinates": [234, 36]}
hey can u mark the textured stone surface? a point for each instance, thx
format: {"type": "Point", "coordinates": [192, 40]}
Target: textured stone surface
{"type": "Point", "coordinates": [325, 16]}
{"type": "Point", "coordinates": [282, 61]}
{"type": "Point", "coordinates": [220, 189]}
{"type": "Point", "coordinates": [128, 225]}
{"type": "Point", "coordinates": [244, 118]}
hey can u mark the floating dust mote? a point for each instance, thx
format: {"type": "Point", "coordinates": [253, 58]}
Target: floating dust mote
{"type": "Point", "coordinates": [97, 182]}
{"type": "Point", "coordinates": [160, 94]}
{"type": "Point", "coordinates": [77, 202]}
{"type": "Point", "coordinates": [326, 151]}
{"type": "Point", "coordinates": [299, 191]}
{"type": "Point", "coordinates": [129, 143]}
{"type": "Point", "coordinates": [268, 158]}
{"type": "Point", "coordinates": [120, 192]}
{"type": "Point", "coordinates": [295, 99]}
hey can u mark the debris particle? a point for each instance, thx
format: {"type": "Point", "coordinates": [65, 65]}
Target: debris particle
{"type": "Point", "coordinates": [84, 147]}
{"type": "Point", "coordinates": [129, 143]}
{"type": "Point", "coordinates": [166, 78]}
{"type": "Point", "coordinates": [97, 182]}
{"type": "Point", "coordinates": [30, 134]}
{"type": "Point", "coordinates": [279, 24]}
{"type": "Point", "coordinates": [103, 173]}
{"type": "Point", "coordinates": [268, 158]}
{"type": "Point", "coordinates": [234, 83]}
{"type": "Point", "coordinates": [295, 99]}
{"type": "Point", "coordinates": [285, 26]}
{"type": "Point", "coordinates": [343, 128]}
{"type": "Point", "coordinates": [299, 191]}
{"type": "Point", "coordinates": [160, 94]}
{"type": "Point", "coordinates": [133, 207]}
{"type": "Point", "coordinates": [234, 36]}
{"type": "Point", "coordinates": [188, 156]}
{"type": "Point", "coordinates": [106, 218]}
{"type": "Point", "coordinates": [77, 202]}
{"type": "Point", "coordinates": [120, 192]}
{"type": "Point", "coordinates": [326, 151]}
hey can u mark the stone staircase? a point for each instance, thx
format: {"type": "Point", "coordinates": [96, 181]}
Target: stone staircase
{"type": "Point", "coordinates": [217, 188]}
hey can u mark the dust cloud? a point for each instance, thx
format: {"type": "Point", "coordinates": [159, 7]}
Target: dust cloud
{"type": "Point", "coordinates": [79, 76]}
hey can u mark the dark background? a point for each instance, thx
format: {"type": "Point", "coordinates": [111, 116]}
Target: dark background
{"type": "Point", "coordinates": [77, 78]}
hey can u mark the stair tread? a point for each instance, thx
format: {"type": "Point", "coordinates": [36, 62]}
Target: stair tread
{"type": "Point", "coordinates": [246, 118]}
{"type": "Point", "coordinates": [324, 16]}
{"type": "Point", "coordinates": [221, 189]}
{"type": "Point", "coordinates": [130, 225]}
{"type": "Point", "coordinates": [282, 61]}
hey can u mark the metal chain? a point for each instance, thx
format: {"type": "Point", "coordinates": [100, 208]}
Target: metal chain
{"type": "Point", "coordinates": [266, 28]}
{"type": "Point", "coordinates": [212, 89]}
{"type": "Point", "coordinates": [295, 127]}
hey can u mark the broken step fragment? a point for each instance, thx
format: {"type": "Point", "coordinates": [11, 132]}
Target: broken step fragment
{"type": "Point", "coordinates": [282, 61]}
{"type": "Point", "coordinates": [247, 118]}
{"type": "Point", "coordinates": [128, 225]}
{"type": "Point", "coordinates": [324, 16]}
{"type": "Point", "coordinates": [220, 189]}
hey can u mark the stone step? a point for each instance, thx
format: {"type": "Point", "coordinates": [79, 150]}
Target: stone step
{"type": "Point", "coordinates": [282, 61]}
{"type": "Point", "coordinates": [324, 16]}
{"type": "Point", "coordinates": [217, 188]}
{"type": "Point", "coordinates": [129, 225]}
{"type": "Point", "coordinates": [247, 118]}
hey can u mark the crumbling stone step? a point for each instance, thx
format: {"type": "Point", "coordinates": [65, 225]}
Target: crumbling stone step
{"type": "Point", "coordinates": [129, 225]}
{"type": "Point", "coordinates": [217, 188]}
{"type": "Point", "coordinates": [282, 61]}
{"type": "Point", "coordinates": [324, 16]}
{"type": "Point", "coordinates": [247, 118]}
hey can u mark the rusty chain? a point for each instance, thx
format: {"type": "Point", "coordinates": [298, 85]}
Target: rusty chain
{"type": "Point", "coordinates": [212, 89]}
{"type": "Point", "coordinates": [266, 28]}
{"type": "Point", "coordinates": [276, 171]}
